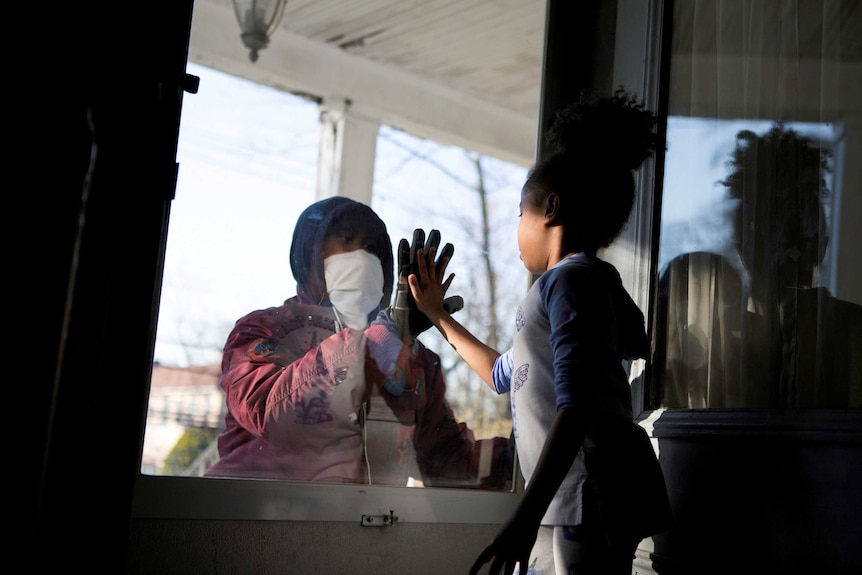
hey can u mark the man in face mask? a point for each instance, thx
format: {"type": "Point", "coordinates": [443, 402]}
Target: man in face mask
{"type": "Point", "coordinates": [323, 387]}
{"type": "Point", "coordinates": [341, 256]}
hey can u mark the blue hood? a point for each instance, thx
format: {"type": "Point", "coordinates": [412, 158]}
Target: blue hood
{"type": "Point", "coordinates": [306, 257]}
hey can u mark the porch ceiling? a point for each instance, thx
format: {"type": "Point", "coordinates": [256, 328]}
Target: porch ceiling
{"type": "Point", "coordinates": [464, 72]}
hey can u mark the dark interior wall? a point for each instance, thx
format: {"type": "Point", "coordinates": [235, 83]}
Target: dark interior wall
{"type": "Point", "coordinates": [100, 151]}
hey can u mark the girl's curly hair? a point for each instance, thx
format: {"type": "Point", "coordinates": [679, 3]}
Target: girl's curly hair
{"type": "Point", "coordinates": [598, 126]}
{"type": "Point", "coordinates": [594, 145]}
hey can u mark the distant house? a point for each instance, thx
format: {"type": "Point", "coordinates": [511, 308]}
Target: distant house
{"type": "Point", "coordinates": [180, 397]}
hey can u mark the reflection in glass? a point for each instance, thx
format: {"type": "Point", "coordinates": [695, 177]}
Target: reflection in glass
{"type": "Point", "coordinates": [759, 297]}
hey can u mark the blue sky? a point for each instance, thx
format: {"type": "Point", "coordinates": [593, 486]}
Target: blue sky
{"type": "Point", "coordinates": [247, 158]}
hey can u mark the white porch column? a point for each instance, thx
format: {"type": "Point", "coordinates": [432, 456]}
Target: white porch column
{"type": "Point", "coordinates": [348, 146]}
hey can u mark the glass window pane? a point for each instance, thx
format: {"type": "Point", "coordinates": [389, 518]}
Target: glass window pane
{"type": "Point", "coordinates": [248, 168]}
{"type": "Point", "coordinates": [760, 300]}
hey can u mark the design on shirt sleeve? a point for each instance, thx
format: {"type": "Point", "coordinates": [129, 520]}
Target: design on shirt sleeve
{"type": "Point", "coordinates": [515, 433]}
{"type": "Point", "coordinates": [520, 320]}
{"type": "Point", "coordinates": [519, 378]}
{"type": "Point", "coordinates": [265, 350]}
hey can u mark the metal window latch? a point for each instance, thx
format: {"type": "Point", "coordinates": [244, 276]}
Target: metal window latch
{"type": "Point", "coordinates": [379, 520]}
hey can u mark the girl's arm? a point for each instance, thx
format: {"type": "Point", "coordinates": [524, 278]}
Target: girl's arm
{"type": "Point", "coordinates": [429, 292]}
{"type": "Point", "coordinates": [517, 535]}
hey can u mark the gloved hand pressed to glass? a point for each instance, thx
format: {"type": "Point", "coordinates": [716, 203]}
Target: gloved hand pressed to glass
{"type": "Point", "coordinates": [407, 317]}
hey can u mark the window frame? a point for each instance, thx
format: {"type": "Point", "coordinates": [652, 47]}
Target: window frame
{"type": "Point", "coordinates": [255, 499]}
{"type": "Point", "coordinates": [639, 29]}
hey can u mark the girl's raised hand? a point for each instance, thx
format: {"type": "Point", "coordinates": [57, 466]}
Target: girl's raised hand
{"type": "Point", "coordinates": [427, 286]}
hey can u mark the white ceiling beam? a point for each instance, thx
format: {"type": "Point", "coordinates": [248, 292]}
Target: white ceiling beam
{"type": "Point", "coordinates": [401, 100]}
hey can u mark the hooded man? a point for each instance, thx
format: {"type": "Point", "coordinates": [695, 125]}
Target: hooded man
{"type": "Point", "coordinates": [322, 388]}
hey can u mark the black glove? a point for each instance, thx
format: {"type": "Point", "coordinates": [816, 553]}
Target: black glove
{"type": "Point", "coordinates": [404, 312]}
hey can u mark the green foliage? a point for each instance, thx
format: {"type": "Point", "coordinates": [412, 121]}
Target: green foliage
{"type": "Point", "coordinates": [192, 443]}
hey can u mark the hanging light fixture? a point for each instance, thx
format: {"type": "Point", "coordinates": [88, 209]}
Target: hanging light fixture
{"type": "Point", "coordinates": [257, 19]}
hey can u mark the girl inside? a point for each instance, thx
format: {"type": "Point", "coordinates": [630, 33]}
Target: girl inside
{"type": "Point", "coordinates": [580, 451]}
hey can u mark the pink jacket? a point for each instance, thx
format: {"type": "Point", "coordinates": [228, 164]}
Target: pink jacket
{"type": "Point", "coordinates": [299, 396]}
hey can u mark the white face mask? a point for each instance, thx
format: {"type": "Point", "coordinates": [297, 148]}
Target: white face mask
{"type": "Point", "coordinates": [354, 282]}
